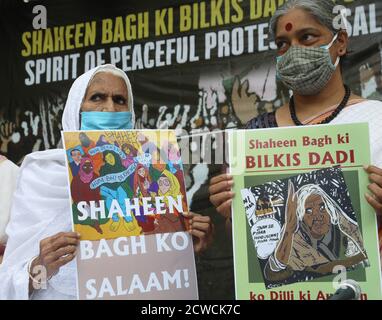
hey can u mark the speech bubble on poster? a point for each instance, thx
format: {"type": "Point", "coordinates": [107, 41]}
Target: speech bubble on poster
{"type": "Point", "coordinates": [265, 234]}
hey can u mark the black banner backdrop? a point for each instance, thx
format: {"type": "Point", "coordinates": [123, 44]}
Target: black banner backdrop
{"type": "Point", "coordinates": [194, 65]}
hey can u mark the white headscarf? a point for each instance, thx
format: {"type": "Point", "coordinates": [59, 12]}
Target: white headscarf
{"type": "Point", "coordinates": [71, 116]}
{"type": "Point", "coordinates": [41, 206]}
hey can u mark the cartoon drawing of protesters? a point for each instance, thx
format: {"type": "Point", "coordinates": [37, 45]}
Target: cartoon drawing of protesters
{"type": "Point", "coordinates": [168, 185]}
{"type": "Point", "coordinates": [116, 190]}
{"type": "Point", "coordinates": [81, 191]}
{"type": "Point", "coordinates": [144, 187]}
{"type": "Point", "coordinates": [88, 144]}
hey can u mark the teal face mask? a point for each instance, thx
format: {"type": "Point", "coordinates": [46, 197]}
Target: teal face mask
{"type": "Point", "coordinates": [94, 120]}
{"type": "Point", "coordinates": [306, 70]}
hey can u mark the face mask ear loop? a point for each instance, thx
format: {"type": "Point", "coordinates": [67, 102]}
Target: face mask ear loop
{"type": "Point", "coordinates": [327, 47]}
{"type": "Point", "coordinates": [337, 62]}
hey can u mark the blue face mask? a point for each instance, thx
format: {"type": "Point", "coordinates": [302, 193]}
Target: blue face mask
{"type": "Point", "coordinates": [94, 120]}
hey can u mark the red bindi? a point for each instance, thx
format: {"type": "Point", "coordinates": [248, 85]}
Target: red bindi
{"type": "Point", "coordinates": [288, 27]}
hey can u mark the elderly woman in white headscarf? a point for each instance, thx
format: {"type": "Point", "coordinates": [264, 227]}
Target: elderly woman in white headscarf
{"type": "Point", "coordinates": [40, 227]}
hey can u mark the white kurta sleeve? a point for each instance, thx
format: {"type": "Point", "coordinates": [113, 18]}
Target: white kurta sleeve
{"type": "Point", "coordinates": [8, 177]}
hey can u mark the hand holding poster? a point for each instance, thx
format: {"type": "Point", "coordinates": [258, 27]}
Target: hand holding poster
{"type": "Point", "coordinates": [128, 200]}
{"type": "Point", "coordinates": [300, 200]}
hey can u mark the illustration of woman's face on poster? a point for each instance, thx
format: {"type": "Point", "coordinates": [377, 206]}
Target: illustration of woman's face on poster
{"type": "Point", "coordinates": [84, 139]}
{"type": "Point", "coordinates": [141, 172]}
{"type": "Point", "coordinates": [76, 156]}
{"type": "Point", "coordinates": [164, 184]}
{"type": "Point", "coordinates": [316, 216]}
{"type": "Point", "coordinates": [141, 138]}
{"type": "Point", "coordinates": [87, 167]}
{"type": "Point", "coordinates": [110, 159]}
{"type": "Point", "coordinates": [129, 150]}
{"type": "Point", "coordinates": [126, 150]}
{"type": "Point", "coordinates": [173, 153]}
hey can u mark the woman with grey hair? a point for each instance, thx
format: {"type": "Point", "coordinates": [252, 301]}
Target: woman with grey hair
{"type": "Point", "coordinates": [314, 230]}
{"type": "Point", "coordinates": [309, 51]}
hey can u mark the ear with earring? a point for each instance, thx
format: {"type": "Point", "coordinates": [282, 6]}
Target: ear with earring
{"type": "Point", "coordinates": [342, 51]}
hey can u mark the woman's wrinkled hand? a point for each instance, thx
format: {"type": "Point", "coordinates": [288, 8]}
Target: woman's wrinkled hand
{"type": "Point", "coordinates": [56, 251]}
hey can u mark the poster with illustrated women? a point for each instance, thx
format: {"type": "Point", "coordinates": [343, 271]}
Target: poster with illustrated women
{"type": "Point", "coordinates": [128, 204]}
